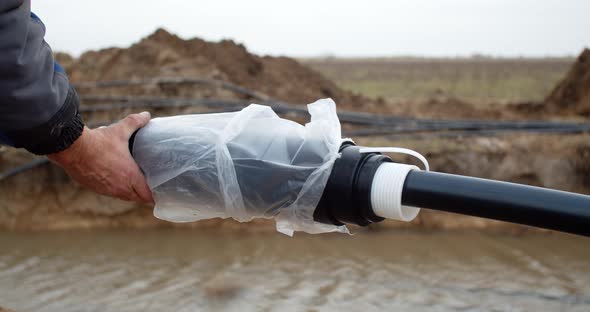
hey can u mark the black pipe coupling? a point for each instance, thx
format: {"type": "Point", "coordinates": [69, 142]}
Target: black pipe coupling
{"type": "Point", "coordinates": [347, 196]}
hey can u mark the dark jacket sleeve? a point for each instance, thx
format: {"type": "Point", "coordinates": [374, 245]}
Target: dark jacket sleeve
{"type": "Point", "coordinates": [38, 106]}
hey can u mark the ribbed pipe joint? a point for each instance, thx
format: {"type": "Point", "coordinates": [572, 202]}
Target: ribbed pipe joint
{"type": "Point", "coordinates": [386, 192]}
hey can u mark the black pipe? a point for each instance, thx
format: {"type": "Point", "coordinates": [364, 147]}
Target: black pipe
{"type": "Point", "coordinates": [511, 202]}
{"type": "Point", "coordinates": [347, 195]}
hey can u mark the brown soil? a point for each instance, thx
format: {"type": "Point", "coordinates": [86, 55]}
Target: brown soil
{"type": "Point", "coordinates": [442, 106]}
{"type": "Point", "coordinates": [162, 54]}
{"type": "Point", "coordinates": [572, 94]}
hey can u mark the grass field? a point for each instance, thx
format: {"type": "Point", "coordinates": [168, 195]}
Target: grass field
{"type": "Point", "coordinates": [478, 79]}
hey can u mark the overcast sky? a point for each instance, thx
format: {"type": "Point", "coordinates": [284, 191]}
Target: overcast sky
{"type": "Point", "coordinates": [322, 27]}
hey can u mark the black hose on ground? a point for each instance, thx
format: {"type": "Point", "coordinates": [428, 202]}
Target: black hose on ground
{"type": "Point", "coordinates": [376, 124]}
{"type": "Point", "coordinates": [22, 168]}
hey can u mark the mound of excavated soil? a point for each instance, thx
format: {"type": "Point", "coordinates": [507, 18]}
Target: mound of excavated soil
{"type": "Point", "coordinates": [572, 94]}
{"type": "Point", "coordinates": [162, 54]}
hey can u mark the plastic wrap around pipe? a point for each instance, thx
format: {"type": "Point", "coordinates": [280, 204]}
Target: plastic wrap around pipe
{"type": "Point", "coordinates": [243, 165]}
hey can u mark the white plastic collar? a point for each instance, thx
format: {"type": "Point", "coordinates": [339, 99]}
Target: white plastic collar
{"type": "Point", "coordinates": [388, 183]}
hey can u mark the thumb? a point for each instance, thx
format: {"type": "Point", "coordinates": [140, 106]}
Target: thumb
{"type": "Point", "coordinates": [133, 122]}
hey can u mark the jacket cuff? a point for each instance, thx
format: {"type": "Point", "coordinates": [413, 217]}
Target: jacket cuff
{"type": "Point", "coordinates": [55, 135]}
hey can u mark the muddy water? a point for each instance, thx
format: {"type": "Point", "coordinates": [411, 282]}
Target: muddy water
{"type": "Point", "coordinates": [184, 270]}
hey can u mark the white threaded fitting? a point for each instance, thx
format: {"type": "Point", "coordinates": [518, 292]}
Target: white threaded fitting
{"type": "Point", "coordinates": [386, 192]}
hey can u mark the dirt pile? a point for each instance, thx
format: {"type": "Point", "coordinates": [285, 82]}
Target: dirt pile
{"type": "Point", "coordinates": [162, 54]}
{"type": "Point", "coordinates": [572, 94]}
{"type": "Point", "coordinates": [442, 106]}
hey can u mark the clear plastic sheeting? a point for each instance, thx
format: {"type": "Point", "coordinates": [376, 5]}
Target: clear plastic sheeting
{"type": "Point", "coordinates": [243, 165]}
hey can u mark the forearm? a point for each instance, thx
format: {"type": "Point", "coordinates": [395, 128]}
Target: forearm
{"type": "Point", "coordinates": [38, 106]}
{"type": "Point", "coordinates": [73, 154]}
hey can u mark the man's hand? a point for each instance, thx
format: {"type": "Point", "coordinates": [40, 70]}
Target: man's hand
{"type": "Point", "coordinates": [100, 160]}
